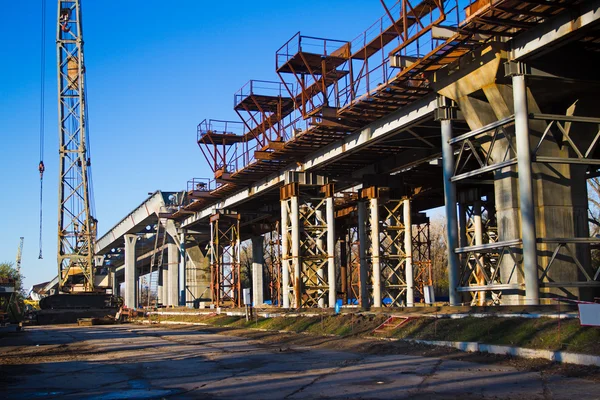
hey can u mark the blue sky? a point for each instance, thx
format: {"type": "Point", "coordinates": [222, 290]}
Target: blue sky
{"type": "Point", "coordinates": [154, 71]}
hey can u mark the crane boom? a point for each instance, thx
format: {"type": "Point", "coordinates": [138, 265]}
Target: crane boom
{"type": "Point", "coordinates": [76, 226]}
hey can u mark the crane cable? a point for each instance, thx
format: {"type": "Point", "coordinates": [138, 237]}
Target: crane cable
{"type": "Point", "coordinates": [41, 167]}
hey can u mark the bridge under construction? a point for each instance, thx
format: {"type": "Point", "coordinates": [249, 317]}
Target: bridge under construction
{"type": "Point", "coordinates": [486, 108]}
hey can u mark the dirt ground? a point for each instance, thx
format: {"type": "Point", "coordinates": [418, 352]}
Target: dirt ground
{"type": "Point", "coordinates": [387, 347]}
{"type": "Point", "coordinates": [141, 361]}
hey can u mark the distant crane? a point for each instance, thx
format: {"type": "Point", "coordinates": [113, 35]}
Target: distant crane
{"type": "Point", "coordinates": [19, 254]}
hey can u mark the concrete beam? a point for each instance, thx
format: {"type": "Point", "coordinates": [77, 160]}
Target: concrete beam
{"type": "Point", "coordinates": [369, 135]}
{"type": "Point", "coordinates": [131, 223]}
{"type": "Point", "coordinates": [565, 26]}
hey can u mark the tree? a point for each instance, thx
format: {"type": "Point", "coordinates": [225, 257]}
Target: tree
{"type": "Point", "coordinates": [7, 271]}
{"type": "Point", "coordinates": [594, 216]}
{"type": "Point", "coordinates": [439, 256]}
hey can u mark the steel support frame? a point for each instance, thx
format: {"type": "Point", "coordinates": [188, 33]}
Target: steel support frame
{"type": "Point", "coordinates": [446, 112]}
{"type": "Point", "coordinates": [308, 251]}
{"type": "Point", "coordinates": [421, 254]}
{"type": "Point", "coordinates": [389, 249]}
{"type": "Point", "coordinates": [482, 269]}
{"type": "Point", "coordinates": [351, 244]}
{"type": "Point", "coordinates": [272, 252]}
{"type": "Point", "coordinates": [225, 259]}
{"type": "Point", "coordinates": [483, 259]}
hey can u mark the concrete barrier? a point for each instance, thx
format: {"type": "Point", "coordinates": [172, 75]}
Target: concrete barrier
{"type": "Point", "coordinates": [556, 356]}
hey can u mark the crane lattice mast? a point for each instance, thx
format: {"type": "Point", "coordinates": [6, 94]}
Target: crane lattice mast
{"type": "Point", "coordinates": [19, 255]}
{"type": "Point", "coordinates": [76, 226]}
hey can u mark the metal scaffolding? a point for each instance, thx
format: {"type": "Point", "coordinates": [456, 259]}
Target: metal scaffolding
{"type": "Point", "coordinates": [225, 259]}
{"type": "Point", "coordinates": [422, 264]}
{"type": "Point", "coordinates": [490, 265]}
{"type": "Point", "coordinates": [308, 251]}
{"type": "Point", "coordinates": [389, 251]}
{"type": "Point", "coordinates": [272, 251]}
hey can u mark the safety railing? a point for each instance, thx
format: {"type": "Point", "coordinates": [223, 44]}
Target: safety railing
{"type": "Point", "coordinates": [307, 44]}
{"type": "Point", "coordinates": [260, 88]}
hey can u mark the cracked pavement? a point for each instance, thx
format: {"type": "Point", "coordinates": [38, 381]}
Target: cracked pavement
{"type": "Point", "coordinates": [140, 362]}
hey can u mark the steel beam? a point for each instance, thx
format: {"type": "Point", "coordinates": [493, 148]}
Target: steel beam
{"type": "Point", "coordinates": [526, 201]}
{"type": "Point", "coordinates": [295, 247]}
{"type": "Point", "coordinates": [375, 250]}
{"type": "Point", "coordinates": [331, 250]}
{"type": "Point", "coordinates": [450, 206]}
{"type": "Point", "coordinates": [285, 250]}
{"type": "Point", "coordinates": [408, 263]}
{"type": "Point", "coordinates": [363, 240]}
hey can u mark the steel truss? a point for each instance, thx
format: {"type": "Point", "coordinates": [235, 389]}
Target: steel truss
{"type": "Point", "coordinates": [389, 249]}
{"type": "Point", "coordinates": [352, 245]}
{"type": "Point", "coordinates": [478, 227]}
{"type": "Point", "coordinates": [272, 251]}
{"type": "Point", "coordinates": [308, 251]}
{"type": "Point", "coordinates": [225, 282]}
{"type": "Point", "coordinates": [76, 225]}
{"type": "Point", "coordinates": [488, 265]}
{"type": "Point", "coordinates": [423, 268]}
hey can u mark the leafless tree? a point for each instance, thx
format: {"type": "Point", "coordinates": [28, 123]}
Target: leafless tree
{"type": "Point", "coordinates": [439, 256]}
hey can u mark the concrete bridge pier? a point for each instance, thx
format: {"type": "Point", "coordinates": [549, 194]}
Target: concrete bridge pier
{"type": "Point", "coordinates": [258, 262]}
{"type": "Point", "coordinates": [131, 272]}
{"type": "Point", "coordinates": [521, 134]}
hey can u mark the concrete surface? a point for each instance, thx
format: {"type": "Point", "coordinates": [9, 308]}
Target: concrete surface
{"type": "Point", "coordinates": [138, 362]}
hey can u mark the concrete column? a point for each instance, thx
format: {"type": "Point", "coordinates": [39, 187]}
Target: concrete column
{"type": "Point", "coordinates": [362, 248]}
{"type": "Point", "coordinates": [296, 262]}
{"type": "Point", "coordinates": [114, 283]}
{"type": "Point", "coordinates": [258, 262]}
{"type": "Point", "coordinates": [182, 270]}
{"type": "Point", "coordinates": [375, 238]}
{"type": "Point", "coordinates": [331, 251]}
{"type": "Point", "coordinates": [532, 292]}
{"type": "Point", "coordinates": [160, 286]}
{"type": "Point", "coordinates": [164, 271]}
{"type": "Point", "coordinates": [410, 279]}
{"type": "Point", "coordinates": [131, 273]}
{"type": "Point", "coordinates": [450, 207]}
{"type": "Point", "coordinates": [285, 261]}
{"type": "Point", "coordinates": [173, 273]}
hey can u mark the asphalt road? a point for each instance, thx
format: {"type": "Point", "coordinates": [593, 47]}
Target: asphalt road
{"type": "Point", "coordinates": [138, 362]}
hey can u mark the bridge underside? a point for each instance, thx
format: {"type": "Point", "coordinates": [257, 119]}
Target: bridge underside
{"type": "Point", "coordinates": [498, 125]}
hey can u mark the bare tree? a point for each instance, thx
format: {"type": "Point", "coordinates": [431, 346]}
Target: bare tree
{"type": "Point", "coordinates": [593, 186]}
{"type": "Point", "coordinates": [439, 255]}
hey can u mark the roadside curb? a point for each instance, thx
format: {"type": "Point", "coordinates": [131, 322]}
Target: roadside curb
{"type": "Point", "coordinates": [555, 356]}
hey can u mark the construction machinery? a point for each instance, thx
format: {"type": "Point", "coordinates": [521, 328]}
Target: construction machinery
{"type": "Point", "coordinates": [85, 283]}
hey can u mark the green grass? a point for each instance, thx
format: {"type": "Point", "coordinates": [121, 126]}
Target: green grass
{"type": "Point", "coordinates": [542, 333]}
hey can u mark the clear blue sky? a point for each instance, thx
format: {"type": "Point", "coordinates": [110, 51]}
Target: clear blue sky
{"type": "Point", "coordinates": [155, 69]}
